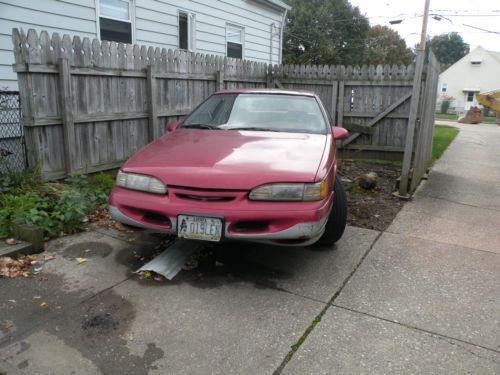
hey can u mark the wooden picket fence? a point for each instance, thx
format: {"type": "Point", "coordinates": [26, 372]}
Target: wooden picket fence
{"type": "Point", "coordinates": [89, 105]}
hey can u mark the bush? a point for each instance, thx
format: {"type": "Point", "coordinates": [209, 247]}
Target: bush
{"type": "Point", "coordinates": [445, 106]}
{"type": "Point", "coordinates": [54, 207]}
{"type": "Point", "coordinates": [446, 103]}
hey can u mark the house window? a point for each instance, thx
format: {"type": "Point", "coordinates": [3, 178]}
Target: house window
{"type": "Point", "coordinates": [186, 29]}
{"type": "Point", "coordinates": [115, 21]}
{"type": "Point", "coordinates": [470, 96]}
{"type": "Point", "coordinates": [183, 31]}
{"type": "Point", "coordinates": [234, 41]}
{"type": "Point", "coordinates": [444, 88]}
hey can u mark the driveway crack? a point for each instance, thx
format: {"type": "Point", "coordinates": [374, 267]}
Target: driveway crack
{"type": "Point", "coordinates": [317, 319]}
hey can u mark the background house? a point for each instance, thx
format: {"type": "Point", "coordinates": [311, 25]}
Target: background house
{"type": "Point", "coordinates": [476, 72]}
{"type": "Point", "coordinates": [249, 29]}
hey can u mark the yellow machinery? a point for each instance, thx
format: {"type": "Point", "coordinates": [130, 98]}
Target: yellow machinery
{"type": "Point", "coordinates": [491, 100]}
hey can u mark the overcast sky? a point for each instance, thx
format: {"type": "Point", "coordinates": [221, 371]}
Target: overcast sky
{"type": "Point", "coordinates": [484, 14]}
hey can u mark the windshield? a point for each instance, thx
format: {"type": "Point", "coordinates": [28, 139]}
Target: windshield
{"type": "Point", "coordinates": [265, 112]}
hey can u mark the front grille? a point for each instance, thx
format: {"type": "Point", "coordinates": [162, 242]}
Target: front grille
{"type": "Point", "coordinates": [205, 198]}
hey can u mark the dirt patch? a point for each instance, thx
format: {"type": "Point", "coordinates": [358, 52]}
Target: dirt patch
{"type": "Point", "coordinates": [371, 209]}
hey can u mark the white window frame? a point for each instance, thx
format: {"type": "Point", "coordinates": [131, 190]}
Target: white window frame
{"type": "Point", "coordinates": [131, 20]}
{"type": "Point", "coordinates": [242, 28]}
{"type": "Point", "coordinates": [444, 88]}
{"type": "Point", "coordinates": [191, 23]}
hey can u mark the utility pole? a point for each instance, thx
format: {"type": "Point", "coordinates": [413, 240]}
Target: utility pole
{"type": "Point", "coordinates": [423, 37]}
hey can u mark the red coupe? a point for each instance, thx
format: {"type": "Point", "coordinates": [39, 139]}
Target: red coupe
{"type": "Point", "coordinates": [254, 165]}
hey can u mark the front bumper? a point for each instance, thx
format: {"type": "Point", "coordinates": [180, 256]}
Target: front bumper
{"type": "Point", "coordinates": [285, 223]}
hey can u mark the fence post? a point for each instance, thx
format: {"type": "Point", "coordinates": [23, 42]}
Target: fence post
{"type": "Point", "coordinates": [219, 78]}
{"type": "Point", "coordinates": [340, 108]}
{"type": "Point", "coordinates": [152, 107]}
{"type": "Point", "coordinates": [410, 130]}
{"type": "Point", "coordinates": [269, 77]}
{"type": "Point", "coordinates": [335, 86]}
{"type": "Point", "coordinates": [66, 105]}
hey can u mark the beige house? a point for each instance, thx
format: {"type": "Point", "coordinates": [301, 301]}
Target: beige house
{"type": "Point", "coordinates": [478, 71]}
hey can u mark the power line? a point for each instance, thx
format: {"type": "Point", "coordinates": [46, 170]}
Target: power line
{"type": "Point", "coordinates": [479, 28]}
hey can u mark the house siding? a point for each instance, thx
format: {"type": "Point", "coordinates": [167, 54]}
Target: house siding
{"type": "Point", "coordinates": [63, 16]}
{"type": "Point", "coordinates": [155, 25]}
{"type": "Point", "coordinates": [463, 74]}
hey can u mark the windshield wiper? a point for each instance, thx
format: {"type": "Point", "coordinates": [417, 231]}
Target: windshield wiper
{"type": "Point", "coordinates": [201, 126]}
{"type": "Point", "coordinates": [254, 128]}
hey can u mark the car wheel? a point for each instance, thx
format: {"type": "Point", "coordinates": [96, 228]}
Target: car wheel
{"type": "Point", "coordinates": [337, 220]}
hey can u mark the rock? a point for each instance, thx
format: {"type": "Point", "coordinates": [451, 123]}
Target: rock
{"type": "Point", "coordinates": [368, 181]}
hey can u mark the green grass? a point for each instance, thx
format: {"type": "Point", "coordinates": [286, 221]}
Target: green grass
{"type": "Point", "coordinates": [489, 120]}
{"type": "Point", "coordinates": [443, 136]}
{"type": "Point", "coordinates": [454, 117]}
{"type": "Point", "coordinates": [446, 116]}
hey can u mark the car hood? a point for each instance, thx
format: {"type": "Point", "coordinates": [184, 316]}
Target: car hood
{"type": "Point", "coordinates": [219, 159]}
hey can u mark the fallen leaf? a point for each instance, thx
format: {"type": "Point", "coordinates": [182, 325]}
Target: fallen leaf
{"type": "Point", "coordinates": [44, 304]}
{"type": "Point", "coordinates": [12, 300]}
{"type": "Point", "coordinates": [11, 241]}
{"type": "Point", "coordinates": [37, 297]}
{"type": "Point", "coordinates": [80, 260]}
{"type": "Point", "coordinates": [47, 257]}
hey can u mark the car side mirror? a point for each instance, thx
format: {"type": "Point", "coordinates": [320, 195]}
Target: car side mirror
{"type": "Point", "coordinates": [339, 133]}
{"type": "Point", "coordinates": [171, 126]}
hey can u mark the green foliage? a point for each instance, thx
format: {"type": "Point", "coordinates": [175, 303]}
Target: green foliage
{"type": "Point", "coordinates": [70, 210]}
{"type": "Point", "coordinates": [324, 32]}
{"type": "Point", "coordinates": [448, 48]}
{"type": "Point", "coordinates": [54, 207]}
{"type": "Point", "coordinates": [385, 46]}
{"type": "Point", "coordinates": [445, 106]}
{"type": "Point", "coordinates": [18, 181]}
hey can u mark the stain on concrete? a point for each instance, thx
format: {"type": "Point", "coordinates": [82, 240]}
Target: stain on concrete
{"type": "Point", "coordinates": [221, 264]}
{"type": "Point", "coordinates": [87, 249]}
{"type": "Point", "coordinates": [24, 346]}
{"type": "Point", "coordinates": [97, 329]}
{"type": "Point", "coordinates": [23, 364]}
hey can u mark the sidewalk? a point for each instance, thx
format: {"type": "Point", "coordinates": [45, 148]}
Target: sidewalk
{"type": "Point", "coordinates": [427, 297]}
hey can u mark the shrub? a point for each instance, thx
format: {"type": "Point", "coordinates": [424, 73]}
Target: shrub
{"type": "Point", "coordinates": [446, 103]}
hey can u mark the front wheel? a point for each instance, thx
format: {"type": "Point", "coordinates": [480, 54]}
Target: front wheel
{"type": "Point", "coordinates": [337, 219]}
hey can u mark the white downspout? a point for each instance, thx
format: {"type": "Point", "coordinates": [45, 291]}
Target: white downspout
{"type": "Point", "coordinates": [283, 20]}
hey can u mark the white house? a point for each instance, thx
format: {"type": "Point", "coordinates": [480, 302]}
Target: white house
{"type": "Point", "coordinates": [478, 71]}
{"type": "Point", "coordinates": [248, 29]}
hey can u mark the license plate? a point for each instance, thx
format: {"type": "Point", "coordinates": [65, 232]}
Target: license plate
{"type": "Point", "coordinates": [199, 228]}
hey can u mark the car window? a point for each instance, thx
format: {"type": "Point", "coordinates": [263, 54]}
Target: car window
{"type": "Point", "coordinates": [214, 111]}
{"type": "Point", "coordinates": [275, 112]}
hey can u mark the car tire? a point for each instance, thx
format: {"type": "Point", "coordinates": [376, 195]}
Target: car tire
{"type": "Point", "coordinates": [337, 219]}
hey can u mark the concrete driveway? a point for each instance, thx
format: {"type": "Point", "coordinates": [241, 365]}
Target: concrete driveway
{"type": "Point", "coordinates": [422, 297]}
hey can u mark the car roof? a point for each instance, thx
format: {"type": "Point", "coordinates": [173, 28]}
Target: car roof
{"type": "Point", "coordinates": [267, 91]}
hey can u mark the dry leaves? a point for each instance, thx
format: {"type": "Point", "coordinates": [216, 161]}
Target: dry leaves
{"type": "Point", "coordinates": [16, 267]}
{"type": "Point", "coordinates": [80, 260]}
{"type": "Point", "coordinates": [11, 241]}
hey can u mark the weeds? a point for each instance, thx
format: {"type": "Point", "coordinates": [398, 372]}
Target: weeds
{"type": "Point", "coordinates": [54, 207]}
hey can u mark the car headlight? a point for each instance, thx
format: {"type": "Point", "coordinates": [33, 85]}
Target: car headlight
{"type": "Point", "coordinates": [290, 192]}
{"type": "Point", "coordinates": [140, 182]}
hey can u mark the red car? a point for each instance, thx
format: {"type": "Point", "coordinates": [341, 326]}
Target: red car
{"type": "Point", "coordinates": [254, 165]}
